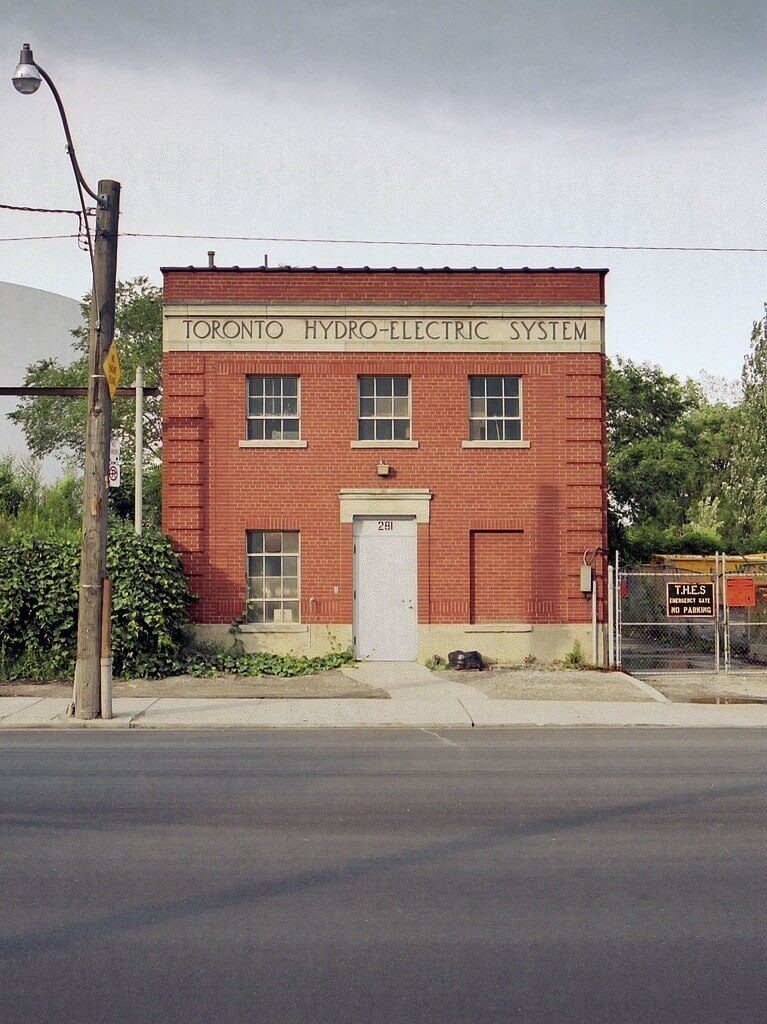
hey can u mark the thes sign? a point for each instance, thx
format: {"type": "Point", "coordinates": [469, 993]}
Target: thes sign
{"type": "Point", "coordinates": [690, 600]}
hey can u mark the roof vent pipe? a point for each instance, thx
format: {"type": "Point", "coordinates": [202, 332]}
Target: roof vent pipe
{"type": "Point", "coordinates": [211, 259]}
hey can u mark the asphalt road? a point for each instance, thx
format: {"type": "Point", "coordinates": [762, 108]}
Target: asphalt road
{"type": "Point", "coordinates": [524, 875]}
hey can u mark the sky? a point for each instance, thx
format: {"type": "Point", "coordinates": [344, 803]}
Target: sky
{"type": "Point", "coordinates": [494, 123]}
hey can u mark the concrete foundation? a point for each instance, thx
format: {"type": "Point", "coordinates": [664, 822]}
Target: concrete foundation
{"type": "Point", "coordinates": [502, 643]}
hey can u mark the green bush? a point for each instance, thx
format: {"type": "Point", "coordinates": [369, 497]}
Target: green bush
{"type": "Point", "coordinates": [640, 542]}
{"type": "Point", "coordinates": [38, 608]}
{"type": "Point", "coordinates": [150, 598]}
{"type": "Point", "coordinates": [39, 582]}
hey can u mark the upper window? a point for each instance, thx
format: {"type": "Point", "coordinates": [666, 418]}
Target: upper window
{"type": "Point", "coordinates": [495, 412]}
{"type": "Point", "coordinates": [273, 576]}
{"type": "Point", "coordinates": [383, 408]}
{"type": "Point", "coordinates": [273, 411]}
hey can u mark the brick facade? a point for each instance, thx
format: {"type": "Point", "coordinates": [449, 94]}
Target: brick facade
{"type": "Point", "coordinates": [507, 526]}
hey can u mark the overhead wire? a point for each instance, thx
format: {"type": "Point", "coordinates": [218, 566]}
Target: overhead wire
{"type": "Point", "coordinates": [414, 243]}
{"type": "Point", "coordinates": [36, 238]}
{"type": "Point", "coordinates": [36, 209]}
{"type": "Point", "coordinates": [463, 245]}
{"type": "Point", "coordinates": [83, 228]}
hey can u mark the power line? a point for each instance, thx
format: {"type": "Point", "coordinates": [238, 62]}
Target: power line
{"type": "Point", "coordinates": [391, 241]}
{"type": "Point", "coordinates": [35, 238]}
{"type": "Point", "coordinates": [463, 245]}
{"type": "Point", "coordinates": [37, 209]}
{"type": "Point", "coordinates": [612, 247]}
{"type": "Point", "coordinates": [83, 229]}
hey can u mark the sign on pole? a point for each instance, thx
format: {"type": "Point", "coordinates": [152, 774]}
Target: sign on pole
{"type": "Point", "coordinates": [112, 369]}
{"type": "Point", "coordinates": [741, 592]}
{"type": "Point", "coordinates": [114, 463]}
{"type": "Point", "coordinates": [690, 600]}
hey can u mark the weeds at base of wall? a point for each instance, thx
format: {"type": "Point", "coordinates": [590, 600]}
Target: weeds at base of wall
{"type": "Point", "coordinates": [209, 661]}
{"type": "Point", "coordinates": [436, 663]}
{"type": "Point", "coordinates": [574, 659]}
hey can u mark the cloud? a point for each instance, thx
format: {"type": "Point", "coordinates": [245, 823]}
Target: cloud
{"type": "Point", "coordinates": [600, 121]}
{"type": "Point", "coordinates": [605, 61]}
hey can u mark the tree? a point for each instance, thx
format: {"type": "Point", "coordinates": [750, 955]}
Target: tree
{"type": "Point", "coordinates": [643, 401]}
{"type": "Point", "coordinates": [30, 508]}
{"type": "Point", "coordinates": [19, 485]}
{"type": "Point", "coordinates": [651, 469]}
{"type": "Point", "coordinates": [56, 426]}
{"type": "Point", "coordinates": [747, 484]}
{"type": "Point", "coordinates": [669, 449]}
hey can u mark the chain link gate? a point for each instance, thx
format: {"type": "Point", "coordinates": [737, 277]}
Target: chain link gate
{"type": "Point", "coordinates": [655, 630]}
{"type": "Point", "coordinates": [648, 639]}
{"type": "Point", "coordinates": [745, 615]}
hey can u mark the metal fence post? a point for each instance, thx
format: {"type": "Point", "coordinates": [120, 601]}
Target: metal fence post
{"type": "Point", "coordinates": [610, 617]}
{"type": "Point", "coordinates": [726, 615]}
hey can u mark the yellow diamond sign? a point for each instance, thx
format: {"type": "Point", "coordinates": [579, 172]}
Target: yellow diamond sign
{"type": "Point", "coordinates": [112, 369]}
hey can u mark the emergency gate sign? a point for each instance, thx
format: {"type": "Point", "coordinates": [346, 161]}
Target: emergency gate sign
{"type": "Point", "coordinates": [690, 600]}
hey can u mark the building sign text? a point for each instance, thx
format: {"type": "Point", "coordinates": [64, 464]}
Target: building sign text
{"type": "Point", "coordinates": [518, 333]}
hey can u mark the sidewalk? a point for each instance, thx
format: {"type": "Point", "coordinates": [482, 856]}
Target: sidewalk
{"type": "Point", "coordinates": [418, 699]}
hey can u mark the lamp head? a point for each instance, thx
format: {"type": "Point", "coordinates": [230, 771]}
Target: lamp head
{"type": "Point", "coordinates": [26, 78]}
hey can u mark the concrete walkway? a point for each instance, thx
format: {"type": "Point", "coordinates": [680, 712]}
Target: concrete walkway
{"type": "Point", "coordinates": [419, 699]}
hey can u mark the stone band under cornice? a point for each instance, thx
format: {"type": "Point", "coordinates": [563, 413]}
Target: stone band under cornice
{"type": "Point", "coordinates": [343, 327]}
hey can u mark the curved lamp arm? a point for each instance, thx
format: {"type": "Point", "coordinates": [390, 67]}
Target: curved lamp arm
{"type": "Point", "coordinates": [27, 82]}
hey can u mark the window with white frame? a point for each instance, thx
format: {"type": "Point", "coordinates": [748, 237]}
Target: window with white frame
{"type": "Point", "coordinates": [383, 404]}
{"type": "Point", "coordinates": [273, 408]}
{"type": "Point", "coordinates": [495, 408]}
{"type": "Point", "coordinates": [273, 576]}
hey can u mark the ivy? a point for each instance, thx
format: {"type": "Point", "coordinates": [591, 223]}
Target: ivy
{"type": "Point", "coordinates": [213, 662]}
{"type": "Point", "coordinates": [151, 635]}
{"type": "Point", "coordinates": [38, 608]}
{"type": "Point", "coordinates": [150, 599]}
{"type": "Point", "coordinates": [39, 584]}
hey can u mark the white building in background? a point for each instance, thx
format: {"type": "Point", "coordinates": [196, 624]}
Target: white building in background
{"type": "Point", "coordinates": [33, 325]}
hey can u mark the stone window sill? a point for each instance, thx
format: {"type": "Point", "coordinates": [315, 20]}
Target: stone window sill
{"type": "Point", "coordinates": [499, 627]}
{"type": "Point", "coordinates": [383, 444]}
{"type": "Point", "coordinates": [273, 627]}
{"type": "Point", "coordinates": [273, 444]}
{"type": "Point", "coordinates": [495, 444]}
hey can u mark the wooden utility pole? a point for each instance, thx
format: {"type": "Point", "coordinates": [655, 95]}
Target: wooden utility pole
{"type": "Point", "coordinates": [87, 688]}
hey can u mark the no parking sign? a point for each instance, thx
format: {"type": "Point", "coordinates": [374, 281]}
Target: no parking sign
{"type": "Point", "coordinates": [690, 600]}
{"type": "Point", "coordinates": [114, 463]}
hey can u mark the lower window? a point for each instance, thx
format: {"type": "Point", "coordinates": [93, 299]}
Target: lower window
{"type": "Point", "coordinates": [273, 576]}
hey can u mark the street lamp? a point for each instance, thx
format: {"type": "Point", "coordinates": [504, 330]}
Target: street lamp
{"type": "Point", "coordinates": [103, 253]}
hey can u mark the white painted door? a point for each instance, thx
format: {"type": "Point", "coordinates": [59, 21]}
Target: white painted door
{"type": "Point", "coordinates": [385, 588]}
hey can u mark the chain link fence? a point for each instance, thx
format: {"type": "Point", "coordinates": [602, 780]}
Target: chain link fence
{"type": "Point", "coordinates": [671, 619]}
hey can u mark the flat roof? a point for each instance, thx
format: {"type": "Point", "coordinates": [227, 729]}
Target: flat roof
{"type": "Point", "coordinates": [389, 270]}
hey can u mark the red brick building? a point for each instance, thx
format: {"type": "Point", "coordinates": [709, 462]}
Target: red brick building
{"type": "Point", "coordinates": [409, 461]}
